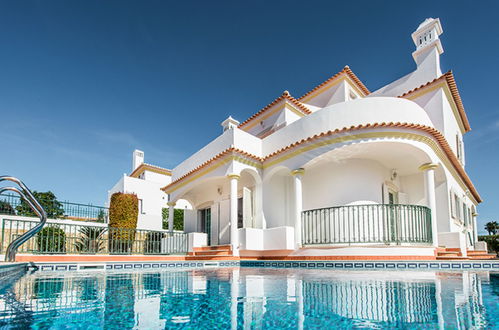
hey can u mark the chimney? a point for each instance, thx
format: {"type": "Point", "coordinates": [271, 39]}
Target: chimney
{"type": "Point", "coordinates": [428, 46]}
{"type": "Point", "coordinates": [137, 159]}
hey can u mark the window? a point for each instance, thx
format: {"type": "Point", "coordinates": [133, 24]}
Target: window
{"type": "Point", "coordinates": [465, 214]}
{"type": "Point", "coordinates": [141, 206]}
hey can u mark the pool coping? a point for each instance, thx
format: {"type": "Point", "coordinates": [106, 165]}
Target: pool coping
{"type": "Point", "coordinates": [12, 268]}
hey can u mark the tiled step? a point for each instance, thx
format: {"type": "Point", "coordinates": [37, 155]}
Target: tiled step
{"type": "Point", "coordinates": [213, 247]}
{"type": "Point", "coordinates": [452, 258]}
{"type": "Point", "coordinates": [449, 254]}
{"type": "Point", "coordinates": [201, 257]}
{"type": "Point", "coordinates": [480, 255]}
{"type": "Point", "coordinates": [213, 253]}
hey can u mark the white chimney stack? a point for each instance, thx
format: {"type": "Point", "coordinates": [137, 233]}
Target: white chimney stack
{"type": "Point", "coordinates": [137, 159]}
{"type": "Point", "coordinates": [229, 123]}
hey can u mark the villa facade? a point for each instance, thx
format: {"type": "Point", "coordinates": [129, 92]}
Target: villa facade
{"type": "Point", "coordinates": [341, 170]}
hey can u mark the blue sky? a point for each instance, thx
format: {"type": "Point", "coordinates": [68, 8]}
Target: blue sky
{"type": "Point", "coordinates": [83, 83]}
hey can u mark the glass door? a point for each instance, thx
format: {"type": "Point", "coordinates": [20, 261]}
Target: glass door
{"type": "Point", "coordinates": [392, 205]}
{"type": "Point", "coordinates": [205, 223]}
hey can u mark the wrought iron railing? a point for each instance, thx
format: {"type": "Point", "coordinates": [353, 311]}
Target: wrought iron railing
{"type": "Point", "coordinates": [376, 223]}
{"type": "Point", "coordinates": [60, 238]}
{"type": "Point", "coordinates": [13, 205]}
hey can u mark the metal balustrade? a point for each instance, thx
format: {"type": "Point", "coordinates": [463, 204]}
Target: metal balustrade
{"type": "Point", "coordinates": [13, 205]}
{"type": "Point", "coordinates": [374, 223]}
{"type": "Point", "coordinates": [61, 238]}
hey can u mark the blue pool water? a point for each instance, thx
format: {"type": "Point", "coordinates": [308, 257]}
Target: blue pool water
{"type": "Point", "coordinates": [251, 298]}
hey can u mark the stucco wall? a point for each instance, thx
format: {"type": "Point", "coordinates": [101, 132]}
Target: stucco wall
{"type": "Point", "coordinates": [352, 181]}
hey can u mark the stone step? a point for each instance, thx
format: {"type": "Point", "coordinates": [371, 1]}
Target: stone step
{"type": "Point", "coordinates": [452, 258]}
{"type": "Point", "coordinates": [483, 256]}
{"type": "Point", "coordinates": [213, 253]}
{"type": "Point", "coordinates": [214, 258]}
{"type": "Point", "coordinates": [213, 247]}
{"type": "Point", "coordinates": [449, 254]}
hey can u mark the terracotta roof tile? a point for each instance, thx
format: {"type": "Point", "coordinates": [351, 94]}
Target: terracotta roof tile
{"type": "Point", "coordinates": [285, 96]}
{"type": "Point", "coordinates": [430, 130]}
{"type": "Point", "coordinates": [451, 82]}
{"type": "Point", "coordinates": [144, 167]}
{"type": "Point", "coordinates": [346, 70]}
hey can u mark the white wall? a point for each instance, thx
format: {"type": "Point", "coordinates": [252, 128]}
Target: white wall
{"type": "Point", "coordinates": [347, 182]}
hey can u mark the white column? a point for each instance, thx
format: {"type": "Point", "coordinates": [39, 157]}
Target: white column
{"type": "Point", "coordinates": [429, 185]}
{"type": "Point", "coordinates": [171, 214]}
{"type": "Point", "coordinates": [234, 234]}
{"type": "Point", "coordinates": [298, 174]}
{"type": "Point", "coordinates": [474, 216]}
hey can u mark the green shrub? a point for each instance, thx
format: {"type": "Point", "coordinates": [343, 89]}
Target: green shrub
{"type": "Point", "coordinates": [90, 240]}
{"type": "Point", "coordinates": [152, 243]}
{"type": "Point", "coordinates": [48, 201]}
{"type": "Point", "coordinates": [178, 219]}
{"type": "Point", "coordinates": [123, 215]}
{"type": "Point", "coordinates": [492, 242]}
{"type": "Point", "coordinates": [51, 239]}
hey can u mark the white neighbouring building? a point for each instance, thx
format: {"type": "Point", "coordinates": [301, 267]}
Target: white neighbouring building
{"type": "Point", "coordinates": [340, 171]}
{"type": "Point", "coordinates": [146, 181]}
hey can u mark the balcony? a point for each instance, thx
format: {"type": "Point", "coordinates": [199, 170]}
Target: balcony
{"type": "Point", "coordinates": [366, 224]}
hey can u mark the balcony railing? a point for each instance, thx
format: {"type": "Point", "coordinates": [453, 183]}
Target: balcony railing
{"type": "Point", "coordinates": [376, 223]}
{"type": "Point", "coordinates": [62, 238]}
{"type": "Point", "coordinates": [13, 205]}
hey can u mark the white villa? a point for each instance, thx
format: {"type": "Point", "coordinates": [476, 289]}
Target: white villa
{"type": "Point", "coordinates": [340, 171]}
{"type": "Point", "coordinates": [146, 181]}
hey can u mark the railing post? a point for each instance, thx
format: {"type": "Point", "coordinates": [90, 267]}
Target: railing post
{"type": "Point", "coordinates": [429, 182]}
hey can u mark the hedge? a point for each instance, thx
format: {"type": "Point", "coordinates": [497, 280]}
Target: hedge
{"type": "Point", "coordinates": [123, 215]}
{"type": "Point", "coordinates": [492, 242]}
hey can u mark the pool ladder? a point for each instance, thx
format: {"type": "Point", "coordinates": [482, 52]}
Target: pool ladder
{"type": "Point", "coordinates": [27, 196]}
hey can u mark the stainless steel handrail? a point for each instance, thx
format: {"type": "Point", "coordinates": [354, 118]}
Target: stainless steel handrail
{"type": "Point", "coordinates": [25, 193]}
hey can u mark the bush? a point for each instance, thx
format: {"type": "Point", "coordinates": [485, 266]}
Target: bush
{"type": "Point", "coordinates": [6, 208]}
{"type": "Point", "coordinates": [123, 215]}
{"type": "Point", "coordinates": [51, 239]}
{"type": "Point", "coordinates": [48, 201]}
{"type": "Point", "coordinates": [492, 242]}
{"type": "Point", "coordinates": [90, 240]}
{"type": "Point", "coordinates": [152, 243]}
{"type": "Point", "coordinates": [178, 219]}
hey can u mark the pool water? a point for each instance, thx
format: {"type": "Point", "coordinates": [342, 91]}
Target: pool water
{"type": "Point", "coordinates": [251, 298]}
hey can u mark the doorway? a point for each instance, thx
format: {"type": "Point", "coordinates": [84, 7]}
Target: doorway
{"type": "Point", "coordinates": [205, 223]}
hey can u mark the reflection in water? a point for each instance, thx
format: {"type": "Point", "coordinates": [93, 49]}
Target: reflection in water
{"type": "Point", "coordinates": [251, 298]}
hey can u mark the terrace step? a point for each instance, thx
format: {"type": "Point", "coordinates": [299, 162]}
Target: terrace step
{"type": "Point", "coordinates": [204, 257]}
{"type": "Point", "coordinates": [452, 258]}
{"type": "Point", "coordinates": [449, 254]}
{"type": "Point", "coordinates": [211, 253]}
{"type": "Point", "coordinates": [480, 254]}
{"type": "Point", "coordinates": [213, 247]}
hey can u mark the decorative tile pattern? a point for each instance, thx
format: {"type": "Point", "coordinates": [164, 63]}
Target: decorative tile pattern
{"type": "Point", "coordinates": [412, 265]}
{"type": "Point", "coordinates": [378, 265]}
{"type": "Point", "coordinates": [145, 265]}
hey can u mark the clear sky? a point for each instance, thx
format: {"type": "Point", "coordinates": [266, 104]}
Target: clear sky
{"type": "Point", "coordinates": [83, 83]}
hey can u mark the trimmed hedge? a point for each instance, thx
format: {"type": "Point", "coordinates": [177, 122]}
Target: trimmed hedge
{"type": "Point", "coordinates": [51, 239]}
{"type": "Point", "coordinates": [123, 214]}
{"type": "Point", "coordinates": [123, 211]}
{"type": "Point", "coordinates": [492, 242]}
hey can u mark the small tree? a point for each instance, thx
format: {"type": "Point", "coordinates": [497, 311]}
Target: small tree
{"type": "Point", "coordinates": [48, 201]}
{"type": "Point", "coordinates": [492, 227]}
{"type": "Point", "coordinates": [51, 239]}
{"type": "Point", "coordinates": [123, 215]}
{"type": "Point", "coordinates": [6, 208]}
{"type": "Point", "coordinates": [178, 219]}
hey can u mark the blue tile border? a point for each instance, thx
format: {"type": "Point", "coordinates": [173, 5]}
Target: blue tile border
{"type": "Point", "coordinates": [378, 265]}
{"type": "Point", "coordinates": [145, 265]}
{"type": "Point", "coordinates": [308, 264]}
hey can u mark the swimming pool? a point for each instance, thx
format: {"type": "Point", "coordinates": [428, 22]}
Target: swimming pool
{"type": "Point", "coordinates": [251, 298]}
